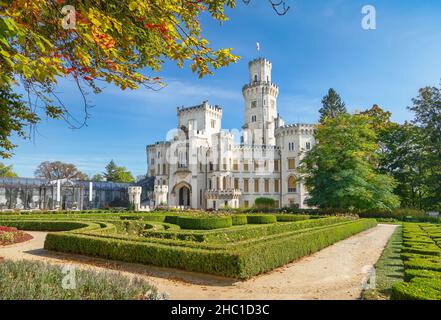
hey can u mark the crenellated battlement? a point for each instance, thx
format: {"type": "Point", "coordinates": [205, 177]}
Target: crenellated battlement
{"type": "Point", "coordinates": [298, 128]}
{"type": "Point", "coordinates": [203, 106]}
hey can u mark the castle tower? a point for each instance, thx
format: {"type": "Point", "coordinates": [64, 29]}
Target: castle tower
{"type": "Point", "coordinates": [260, 97]}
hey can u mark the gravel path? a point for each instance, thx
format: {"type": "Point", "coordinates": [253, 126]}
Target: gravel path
{"type": "Point", "coordinates": [336, 272]}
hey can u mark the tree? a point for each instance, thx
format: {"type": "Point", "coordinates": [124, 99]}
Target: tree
{"type": "Point", "coordinates": [15, 117]}
{"type": "Point", "coordinates": [6, 171]}
{"type": "Point", "coordinates": [119, 42]}
{"type": "Point", "coordinates": [59, 170]}
{"type": "Point", "coordinates": [405, 158]}
{"type": "Point", "coordinates": [98, 178]}
{"type": "Point", "coordinates": [427, 109]}
{"type": "Point", "coordinates": [115, 173]}
{"type": "Point", "coordinates": [339, 171]}
{"type": "Point", "coordinates": [332, 107]}
{"type": "Point", "coordinates": [378, 118]}
{"type": "Point", "coordinates": [122, 42]}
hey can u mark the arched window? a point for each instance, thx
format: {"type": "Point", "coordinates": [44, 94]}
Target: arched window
{"type": "Point", "coordinates": [255, 78]}
{"type": "Point", "coordinates": [292, 184]}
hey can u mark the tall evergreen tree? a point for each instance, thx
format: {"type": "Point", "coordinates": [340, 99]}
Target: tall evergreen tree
{"type": "Point", "coordinates": [115, 173]}
{"type": "Point", "coordinates": [333, 106]}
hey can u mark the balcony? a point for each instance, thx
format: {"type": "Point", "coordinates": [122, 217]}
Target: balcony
{"type": "Point", "coordinates": [227, 194]}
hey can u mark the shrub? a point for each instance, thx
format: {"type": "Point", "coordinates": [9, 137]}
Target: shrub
{"type": "Point", "coordinates": [290, 217]}
{"type": "Point", "coordinates": [265, 203]}
{"type": "Point", "coordinates": [237, 262]}
{"type": "Point", "coordinates": [7, 237]}
{"type": "Point", "coordinates": [204, 223]}
{"type": "Point", "coordinates": [269, 255]}
{"type": "Point", "coordinates": [239, 219]}
{"type": "Point", "coordinates": [261, 219]}
{"type": "Point", "coordinates": [40, 225]}
{"type": "Point", "coordinates": [409, 274]}
{"type": "Point", "coordinates": [417, 289]}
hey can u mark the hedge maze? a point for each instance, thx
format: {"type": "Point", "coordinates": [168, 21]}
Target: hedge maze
{"type": "Point", "coordinates": [421, 254]}
{"type": "Point", "coordinates": [236, 246]}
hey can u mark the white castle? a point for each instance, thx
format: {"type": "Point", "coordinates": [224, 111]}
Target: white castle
{"type": "Point", "coordinates": [202, 166]}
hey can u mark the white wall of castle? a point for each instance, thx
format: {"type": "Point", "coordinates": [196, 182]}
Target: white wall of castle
{"type": "Point", "coordinates": [206, 159]}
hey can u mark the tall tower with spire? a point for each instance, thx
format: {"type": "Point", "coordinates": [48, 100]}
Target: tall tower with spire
{"type": "Point", "coordinates": [260, 96]}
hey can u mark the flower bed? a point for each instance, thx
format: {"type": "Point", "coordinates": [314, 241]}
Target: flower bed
{"type": "Point", "coordinates": [10, 235]}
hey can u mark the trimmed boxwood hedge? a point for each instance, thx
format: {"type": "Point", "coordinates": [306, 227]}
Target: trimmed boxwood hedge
{"type": "Point", "coordinates": [240, 263]}
{"type": "Point", "coordinates": [421, 256]}
{"type": "Point", "coordinates": [291, 217]}
{"type": "Point", "coordinates": [243, 232]}
{"type": "Point", "coordinates": [196, 223]}
{"type": "Point", "coordinates": [239, 219]}
{"type": "Point", "coordinates": [261, 219]}
{"type": "Point", "coordinates": [417, 289]}
{"type": "Point", "coordinates": [41, 225]}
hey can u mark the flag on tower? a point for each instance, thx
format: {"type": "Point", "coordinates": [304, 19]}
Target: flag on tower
{"type": "Point", "coordinates": [258, 46]}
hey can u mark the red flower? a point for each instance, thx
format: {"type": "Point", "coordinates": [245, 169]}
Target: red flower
{"type": "Point", "coordinates": [7, 229]}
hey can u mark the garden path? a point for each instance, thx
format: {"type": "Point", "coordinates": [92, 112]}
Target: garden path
{"type": "Point", "coordinates": [336, 272]}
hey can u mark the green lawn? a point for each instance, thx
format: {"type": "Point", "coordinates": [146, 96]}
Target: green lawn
{"type": "Point", "coordinates": [389, 269]}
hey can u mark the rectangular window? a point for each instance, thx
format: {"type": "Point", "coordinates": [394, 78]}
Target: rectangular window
{"type": "Point", "coordinates": [256, 165]}
{"type": "Point", "coordinates": [276, 185]}
{"type": "Point", "coordinates": [245, 166]}
{"type": "Point", "coordinates": [253, 104]}
{"type": "Point", "coordinates": [225, 164]}
{"type": "Point", "coordinates": [246, 204]}
{"type": "Point", "coordinates": [159, 169]}
{"type": "Point", "coordinates": [164, 169]}
{"type": "Point", "coordinates": [267, 186]}
{"type": "Point", "coordinates": [235, 166]}
{"type": "Point", "coordinates": [276, 165]}
{"type": "Point", "coordinates": [291, 163]}
{"type": "Point", "coordinates": [246, 187]}
{"type": "Point", "coordinates": [211, 166]}
{"type": "Point", "coordinates": [213, 124]}
{"type": "Point", "coordinates": [236, 184]}
{"type": "Point", "coordinates": [256, 185]}
{"type": "Point", "coordinates": [308, 145]}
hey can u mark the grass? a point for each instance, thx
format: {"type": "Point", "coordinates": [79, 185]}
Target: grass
{"type": "Point", "coordinates": [389, 269]}
{"type": "Point", "coordinates": [26, 280]}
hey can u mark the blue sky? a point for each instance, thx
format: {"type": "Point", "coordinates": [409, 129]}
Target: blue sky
{"type": "Point", "coordinates": [319, 44]}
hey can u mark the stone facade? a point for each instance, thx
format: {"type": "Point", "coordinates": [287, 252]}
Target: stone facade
{"type": "Point", "coordinates": [202, 166]}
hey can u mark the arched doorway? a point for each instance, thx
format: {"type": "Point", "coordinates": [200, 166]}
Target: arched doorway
{"type": "Point", "coordinates": [184, 196]}
{"type": "Point", "coordinates": [181, 193]}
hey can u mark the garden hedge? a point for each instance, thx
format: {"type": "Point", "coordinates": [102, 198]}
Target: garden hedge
{"type": "Point", "coordinates": [421, 254]}
{"type": "Point", "coordinates": [240, 262]}
{"type": "Point", "coordinates": [209, 223]}
{"type": "Point", "coordinates": [291, 217]}
{"type": "Point", "coordinates": [261, 219]}
{"type": "Point", "coordinates": [239, 219]}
